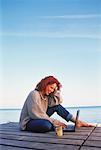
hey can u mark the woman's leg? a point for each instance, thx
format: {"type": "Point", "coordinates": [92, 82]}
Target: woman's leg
{"type": "Point", "coordinates": [39, 125]}
{"type": "Point", "coordinates": [61, 111]}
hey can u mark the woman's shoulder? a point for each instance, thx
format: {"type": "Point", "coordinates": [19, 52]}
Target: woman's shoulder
{"type": "Point", "coordinates": [35, 93]}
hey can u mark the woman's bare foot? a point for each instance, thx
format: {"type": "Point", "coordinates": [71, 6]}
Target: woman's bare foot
{"type": "Point", "coordinates": [84, 124]}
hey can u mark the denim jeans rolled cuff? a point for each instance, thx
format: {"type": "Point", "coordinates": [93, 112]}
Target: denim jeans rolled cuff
{"type": "Point", "coordinates": [69, 117]}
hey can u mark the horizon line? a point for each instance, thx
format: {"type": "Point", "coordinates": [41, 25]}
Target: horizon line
{"type": "Point", "coordinates": [65, 107]}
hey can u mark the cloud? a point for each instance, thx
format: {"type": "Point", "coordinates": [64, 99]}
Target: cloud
{"type": "Point", "coordinates": [86, 16]}
{"type": "Point", "coordinates": [51, 35]}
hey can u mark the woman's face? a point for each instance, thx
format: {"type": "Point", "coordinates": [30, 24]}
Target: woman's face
{"type": "Point", "coordinates": [50, 88]}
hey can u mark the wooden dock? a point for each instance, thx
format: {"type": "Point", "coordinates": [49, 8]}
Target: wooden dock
{"type": "Point", "coordinates": [11, 138]}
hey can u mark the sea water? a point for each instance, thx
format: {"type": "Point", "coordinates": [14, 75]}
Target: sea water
{"type": "Point", "coordinates": [89, 114]}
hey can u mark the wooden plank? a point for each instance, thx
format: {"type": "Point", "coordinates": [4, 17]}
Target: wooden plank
{"type": "Point", "coordinates": [42, 140]}
{"type": "Point", "coordinates": [94, 138]}
{"type": "Point", "coordinates": [35, 145]}
{"type": "Point", "coordinates": [10, 124]}
{"type": "Point", "coordinates": [89, 148]}
{"type": "Point", "coordinates": [93, 143]}
{"type": "Point", "coordinates": [83, 133]}
{"type": "Point", "coordinates": [98, 129]}
{"type": "Point", "coordinates": [15, 125]}
{"type": "Point", "coordinates": [5, 147]}
{"type": "Point", "coordinates": [96, 134]}
{"type": "Point", "coordinates": [11, 136]}
{"type": "Point", "coordinates": [49, 135]}
{"type": "Point", "coordinates": [79, 133]}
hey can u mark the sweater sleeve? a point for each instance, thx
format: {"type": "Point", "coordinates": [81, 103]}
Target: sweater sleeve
{"type": "Point", "coordinates": [58, 96]}
{"type": "Point", "coordinates": [55, 99]}
{"type": "Point", "coordinates": [35, 109]}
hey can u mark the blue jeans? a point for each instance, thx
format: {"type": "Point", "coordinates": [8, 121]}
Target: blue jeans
{"type": "Point", "coordinates": [43, 125]}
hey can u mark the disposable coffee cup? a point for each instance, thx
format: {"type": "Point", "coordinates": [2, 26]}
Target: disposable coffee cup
{"type": "Point", "coordinates": [59, 131]}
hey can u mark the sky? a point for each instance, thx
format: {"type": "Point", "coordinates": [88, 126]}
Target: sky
{"type": "Point", "coordinates": [50, 37]}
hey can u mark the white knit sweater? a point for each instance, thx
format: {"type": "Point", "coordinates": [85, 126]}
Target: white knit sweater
{"type": "Point", "coordinates": [35, 107]}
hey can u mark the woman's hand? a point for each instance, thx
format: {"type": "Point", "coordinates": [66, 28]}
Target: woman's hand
{"type": "Point", "coordinates": [58, 123]}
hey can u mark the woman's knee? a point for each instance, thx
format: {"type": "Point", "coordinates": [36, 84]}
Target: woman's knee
{"type": "Point", "coordinates": [40, 125]}
{"type": "Point", "coordinates": [46, 126]}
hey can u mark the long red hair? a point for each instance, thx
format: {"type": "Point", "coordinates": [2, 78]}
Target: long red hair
{"type": "Point", "coordinates": [41, 86]}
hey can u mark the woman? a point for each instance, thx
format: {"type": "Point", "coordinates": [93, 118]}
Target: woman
{"type": "Point", "coordinates": [41, 103]}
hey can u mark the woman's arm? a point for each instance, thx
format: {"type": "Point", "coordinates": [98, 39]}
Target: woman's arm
{"type": "Point", "coordinates": [35, 108]}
